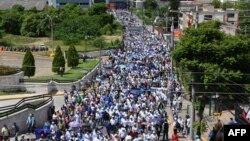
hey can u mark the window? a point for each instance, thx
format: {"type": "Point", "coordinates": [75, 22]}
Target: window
{"type": "Point", "coordinates": [230, 15]}
{"type": "Point", "coordinates": [62, 3]}
{"type": "Point", "coordinates": [208, 17]}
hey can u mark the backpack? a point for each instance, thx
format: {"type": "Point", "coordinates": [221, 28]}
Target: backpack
{"type": "Point", "coordinates": [178, 125]}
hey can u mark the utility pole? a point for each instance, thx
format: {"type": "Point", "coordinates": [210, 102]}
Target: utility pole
{"type": "Point", "coordinates": [100, 58]}
{"type": "Point", "coordinates": [52, 31]}
{"type": "Point", "coordinates": [192, 112]}
{"type": "Point", "coordinates": [196, 16]}
{"type": "Point", "coordinates": [192, 120]}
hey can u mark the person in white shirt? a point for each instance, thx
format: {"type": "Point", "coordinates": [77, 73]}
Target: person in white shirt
{"type": "Point", "coordinates": [53, 128]}
{"type": "Point", "coordinates": [128, 138]}
{"type": "Point", "coordinates": [180, 100]}
{"type": "Point", "coordinates": [122, 133]}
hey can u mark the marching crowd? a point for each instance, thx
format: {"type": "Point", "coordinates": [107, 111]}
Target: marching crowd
{"type": "Point", "coordinates": [128, 99]}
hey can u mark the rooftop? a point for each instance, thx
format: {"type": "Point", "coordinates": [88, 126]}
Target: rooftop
{"type": "Point", "coordinates": [28, 4]}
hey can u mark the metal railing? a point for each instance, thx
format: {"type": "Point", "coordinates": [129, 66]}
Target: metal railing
{"type": "Point", "coordinates": [22, 104]}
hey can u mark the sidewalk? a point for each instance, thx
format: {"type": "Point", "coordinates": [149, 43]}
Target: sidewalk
{"type": "Point", "coordinates": [182, 113]}
{"type": "Point", "coordinates": [186, 110]}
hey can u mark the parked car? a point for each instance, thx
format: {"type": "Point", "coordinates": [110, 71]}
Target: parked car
{"type": "Point", "coordinates": [41, 47]}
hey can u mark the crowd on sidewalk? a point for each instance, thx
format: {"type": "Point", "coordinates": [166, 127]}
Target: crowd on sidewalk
{"type": "Point", "coordinates": [128, 99]}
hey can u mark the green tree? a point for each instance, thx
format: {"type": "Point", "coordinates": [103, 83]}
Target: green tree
{"type": "Point", "coordinates": [35, 25]}
{"type": "Point", "coordinates": [72, 57]}
{"type": "Point", "coordinates": [216, 3]}
{"type": "Point", "coordinates": [11, 22]}
{"type": "Point", "coordinates": [209, 56]}
{"type": "Point", "coordinates": [244, 19]}
{"type": "Point", "coordinates": [28, 65]}
{"type": "Point", "coordinates": [97, 9]}
{"type": "Point", "coordinates": [150, 4]}
{"type": "Point", "coordinates": [18, 8]}
{"type": "Point", "coordinates": [58, 64]}
{"type": "Point", "coordinates": [227, 4]}
{"type": "Point", "coordinates": [212, 24]}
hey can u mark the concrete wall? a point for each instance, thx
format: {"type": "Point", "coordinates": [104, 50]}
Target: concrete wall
{"type": "Point", "coordinates": [96, 54]}
{"type": "Point", "coordinates": [21, 117]}
{"type": "Point", "coordinates": [11, 82]}
{"type": "Point", "coordinates": [53, 86]}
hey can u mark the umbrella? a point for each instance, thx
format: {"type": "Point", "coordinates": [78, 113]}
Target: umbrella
{"type": "Point", "coordinates": [74, 124]}
{"type": "Point", "coordinates": [136, 91]}
{"type": "Point", "coordinates": [122, 67]}
{"type": "Point", "coordinates": [98, 79]}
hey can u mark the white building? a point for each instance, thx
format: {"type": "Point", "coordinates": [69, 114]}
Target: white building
{"type": "Point", "coordinates": [229, 18]}
{"type": "Point", "coordinates": [59, 3]}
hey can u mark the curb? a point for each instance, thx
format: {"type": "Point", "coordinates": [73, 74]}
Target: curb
{"type": "Point", "coordinates": [14, 97]}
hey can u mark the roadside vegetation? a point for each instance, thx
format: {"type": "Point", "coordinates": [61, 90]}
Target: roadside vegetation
{"type": "Point", "coordinates": [71, 25]}
{"type": "Point", "coordinates": [7, 70]}
{"type": "Point", "coordinates": [71, 75]}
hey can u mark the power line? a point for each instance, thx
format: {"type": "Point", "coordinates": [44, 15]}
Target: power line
{"type": "Point", "coordinates": [242, 74]}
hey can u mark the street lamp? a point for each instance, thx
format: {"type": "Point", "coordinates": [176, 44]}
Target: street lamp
{"type": "Point", "coordinates": [52, 33]}
{"type": "Point", "coordinates": [86, 39]}
{"type": "Point", "coordinates": [100, 58]}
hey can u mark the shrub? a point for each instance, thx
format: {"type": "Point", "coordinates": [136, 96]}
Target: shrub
{"type": "Point", "coordinates": [7, 70]}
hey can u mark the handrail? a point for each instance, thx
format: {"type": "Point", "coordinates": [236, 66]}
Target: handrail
{"type": "Point", "coordinates": [7, 110]}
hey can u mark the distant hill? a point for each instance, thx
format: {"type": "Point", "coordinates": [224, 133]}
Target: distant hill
{"type": "Point", "coordinates": [28, 4]}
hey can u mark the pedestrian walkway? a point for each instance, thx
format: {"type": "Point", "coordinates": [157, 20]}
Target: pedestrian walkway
{"type": "Point", "coordinates": [20, 96]}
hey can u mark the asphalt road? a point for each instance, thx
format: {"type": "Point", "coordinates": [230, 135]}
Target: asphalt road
{"type": "Point", "coordinates": [43, 64]}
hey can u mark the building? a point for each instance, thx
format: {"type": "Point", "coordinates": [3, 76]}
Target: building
{"type": "Point", "coordinates": [27, 4]}
{"type": "Point", "coordinates": [118, 4]}
{"type": "Point", "coordinates": [60, 3]}
{"type": "Point", "coordinates": [229, 18]}
{"type": "Point", "coordinates": [138, 3]}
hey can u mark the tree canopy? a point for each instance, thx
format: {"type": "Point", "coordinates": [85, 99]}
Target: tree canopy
{"type": "Point", "coordinates": [72, 57]}
{"type": "Point", "coordinates": [207, 57]}
{"type": "Point", "coordinates": [202, 47]}
{"type": "Point", "coordinates": [28, 65]}
{"type": "Point", "coordinates": [97, 9]}
{"type": "Point", "coordinates": [150, 4]}
{"type": "Point", "coordinates": [71, 23]}
{"type": "Point", "coordinates": [58, 61]}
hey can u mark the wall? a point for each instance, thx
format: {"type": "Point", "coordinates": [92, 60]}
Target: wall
{"type": "Point", "coordinates": [95, 54]}
{"type": "Point", "coordinates": [11, 82]}
{"type": "Point", "coordinates": [21, 117]}
{"type": "Point", "coordinates": [54, 86]}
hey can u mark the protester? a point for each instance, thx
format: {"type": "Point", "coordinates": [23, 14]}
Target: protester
{"type": "Point", "coordinates": [232, 122]}
{"type": "Point", "coordinates": [5, 132]}
{"type": "Point", "coordinates": [165, 130]}
{"type": "Point", "coordinates": [15, 131]}
{"type": "Point", "coordinates": [175, 136]}
{"type": "Point", "coordinates": [127, 98]}
{"type": "Point", "coordinates": [30, 123]}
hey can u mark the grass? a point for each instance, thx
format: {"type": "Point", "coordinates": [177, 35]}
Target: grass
{"type": "Point", "coordinates": [21, 41]}
{"type": "Point", "coordinates": [71, 75]}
